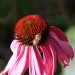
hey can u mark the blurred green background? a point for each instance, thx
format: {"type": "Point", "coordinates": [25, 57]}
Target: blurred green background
{"type": "Point", "coordinates": [60, 13]}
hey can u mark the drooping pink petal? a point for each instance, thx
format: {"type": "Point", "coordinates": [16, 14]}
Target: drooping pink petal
{"type": "Point", "coordinates": [35, 62]}
{"type": "Point", "coordinates": [63, 48]}
{"type": "Point", "coordinates": [14, 47]}
{"type": "Point", "coordinates": [49, 57]}
{"type": "Point", "coordinates": [21, 63]}
{"type": "Point", "coordinates": [60, 34]}
{"type": "Point", "coordinates": [11, 61]}
{"type": "Point", "coordinates": [54, 58]}
{"type": "Point", "coordinates": [61, 56]}
{"type": "Point", "coordinates": [31, 65]}
{"type": "Point", "coordinates": [47, 60]}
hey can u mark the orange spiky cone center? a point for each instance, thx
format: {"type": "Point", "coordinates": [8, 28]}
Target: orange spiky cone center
{"type": "Point", "coordinates": [29, 26]}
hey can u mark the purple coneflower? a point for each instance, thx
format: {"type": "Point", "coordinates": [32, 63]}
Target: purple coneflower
{"type": "Point", "coordinates": [39, 47]}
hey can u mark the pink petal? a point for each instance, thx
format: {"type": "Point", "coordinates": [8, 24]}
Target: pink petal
{"type": "Point", "coordinates": [64, 50]}
{"type": "Point", "coordinates": [11, 61]}
{"type": "Point", "coordinates": [60, 54]}
{"type": "Point", "coordinates": [14, 45]}
{"type": "Point", "coordinates": [54, 58]}
{"type": "Point", "coordinates": [35, 62]}
{"type": "Point", "coordinates": [60, 34]}
{"type": "Point", "coordinates": [21, 63]}
{"type": "Point", "coordinates": [49, 58]}
{"type": "Point", "coordinates": [14, 48]}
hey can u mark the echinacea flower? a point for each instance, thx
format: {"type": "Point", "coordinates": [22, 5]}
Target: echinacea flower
{"type": "Point", "coordinates": [39, 47]}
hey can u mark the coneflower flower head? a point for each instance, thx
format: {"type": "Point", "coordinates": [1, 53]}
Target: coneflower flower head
{"type": "Point", "coordinates": [30, 26]}
{"type": "Point", "coordinates": [38, 47]}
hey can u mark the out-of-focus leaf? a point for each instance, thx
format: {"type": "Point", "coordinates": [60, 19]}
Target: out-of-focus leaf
{"type": "Point", "coordinates": [71, 36]}
{"type": "Point", "coordinates": [70, 70]}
